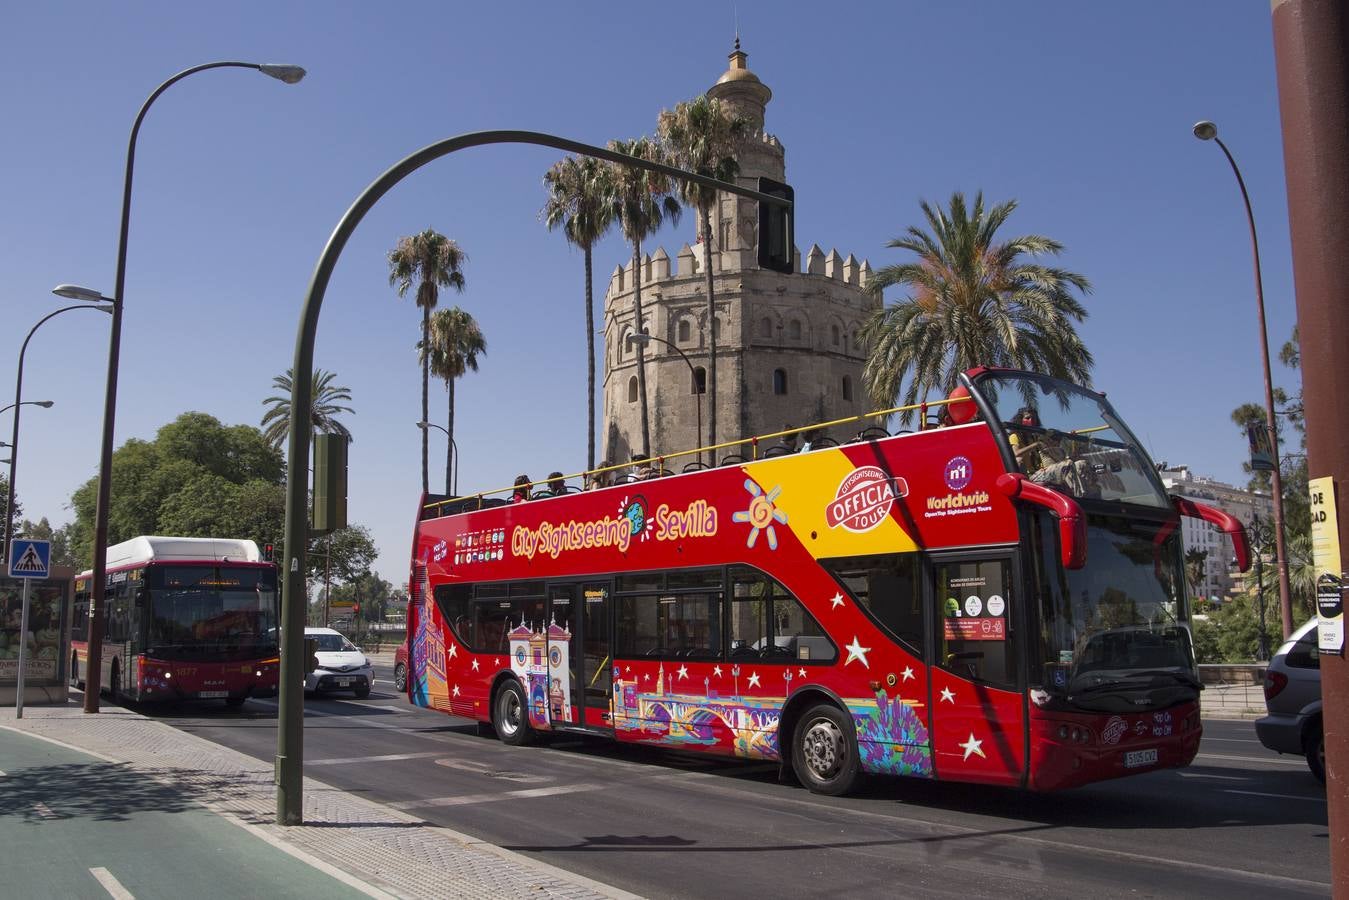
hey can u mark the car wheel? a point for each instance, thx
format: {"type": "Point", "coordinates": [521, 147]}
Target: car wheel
{"type": "Point", "coordinates": [1314, 746]}
{"type": "Point", "coordinates": [824, 751]}
{"type": "Point", "coordinates": [400, 677]}
{"type": "Point", "coordinates": [510, 716]}
{"type": "Point", "coordinates": [362, 690]}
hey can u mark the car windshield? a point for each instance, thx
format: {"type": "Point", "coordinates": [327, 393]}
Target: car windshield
{"type": "Point", "coordinates": [1071, 439]}
{"type": "Point", "coordinates": [333, 643]}
{"type": "Point", "coordinates": [1118, 627]}
{"type": "Point", "coordinates": [212, 610]}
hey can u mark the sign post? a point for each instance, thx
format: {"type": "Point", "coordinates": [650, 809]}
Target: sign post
{"type": "Point", "coordinates": [27, 560]}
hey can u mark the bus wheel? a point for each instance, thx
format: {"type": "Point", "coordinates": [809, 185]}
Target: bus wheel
{"type": "Point", "coordinates": [75, 671]}
{"type": "Point", "coordinates": [509, 717]}
{"type": "Point", "coordinates": [234, 702]}
{"type": "Point", "coordinates": [114, 684]}
{"type": "Point", "coordinates": [824, 753]}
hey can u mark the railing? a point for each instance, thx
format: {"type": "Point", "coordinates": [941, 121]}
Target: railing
{"type": "Point", "coordinates": [657, 464]}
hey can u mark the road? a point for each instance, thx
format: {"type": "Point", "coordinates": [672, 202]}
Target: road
{"type": "Point", "coordinates": [1241, 821]}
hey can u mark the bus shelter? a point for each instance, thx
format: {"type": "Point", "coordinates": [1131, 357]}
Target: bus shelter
{"type": "Point", "coordinates": [47, 656]}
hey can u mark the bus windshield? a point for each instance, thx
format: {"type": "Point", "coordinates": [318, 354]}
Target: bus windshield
{"type": "Point", "coordinates": [1115, 634]}
{"type": "Point", "coordinates": [1070, 439]}
{"type": "Point", "coordinates": [205, 611]}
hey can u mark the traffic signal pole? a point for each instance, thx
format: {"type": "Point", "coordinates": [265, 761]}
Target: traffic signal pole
{"type": "Point", "coordinates": [1311, 48]}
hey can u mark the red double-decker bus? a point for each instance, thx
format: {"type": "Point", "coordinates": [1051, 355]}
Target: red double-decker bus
{"type": "Point", "coordinates": [1000, 599]}
{"type": "Point", "coordinates": [185, 618]}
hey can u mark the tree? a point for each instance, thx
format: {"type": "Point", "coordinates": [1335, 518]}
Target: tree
{"type": "Point", "coordinates": [1293, 466]}
{"type": "Point", "coordinates": [430, 261]}
{"type": "Point", "coordinates": [58, 537]}
{"type": "Point", "coordinates": [974, 301]}
{"type": "Point", "coordinates": [326, 401]}
{"type": "Point", "coordinates": [641, 204]}
{"type": "Point", "coordinates": [580, 202]}
{"type": "Point", "coordinates": [455, 341]}
{"type": "Point", "coordinates": [18, 508]}
{"type": "Point", "coordinates": [701, 135]}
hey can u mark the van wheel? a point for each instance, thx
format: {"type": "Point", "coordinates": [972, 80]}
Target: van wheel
{"type": "Point", "coordinates": [1314, 746]}
{"type": "Point", "coordinates": [510, 716]}
{"type": "Point", "coordinates": [824, 751]}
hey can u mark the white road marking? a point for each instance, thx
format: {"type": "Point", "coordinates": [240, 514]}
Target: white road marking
{"type": "Point", "coordinates": [1232, 740]}
{"type": "Point", "coordinates": [466, 799]}
{"type": "Point", "coordinates": [111, 884]}
{"type": "Point", "coordinates": [3, 775]}
{"type": "Point", "coordinates": [1219, 777]}
{"type": "Point", "coordinates": [1277, 796]}
{"type": "Point", "coordinates": [476, 768]}
{"type": "Point", "coordinates": [45, 811]}
{"type": "Point", "coordinates": [1274, 760]}
{"type": "Point", "coordinates": [391, 757]}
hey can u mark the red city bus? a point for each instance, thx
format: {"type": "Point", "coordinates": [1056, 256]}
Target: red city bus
{"type": "Point", "coordinates": [997, 600]}
{"type": "Point", "coordinates": [185, 618]}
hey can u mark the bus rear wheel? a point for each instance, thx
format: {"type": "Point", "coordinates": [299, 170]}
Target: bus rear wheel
{"type": "Point", "coordinates": [509, 716]}
{"type": "Point", "coordinates": [75, 671]}
{"type": "Point", "coordinates": [115, 684]}
{"type": "Point", "coordinates": [824, 751]}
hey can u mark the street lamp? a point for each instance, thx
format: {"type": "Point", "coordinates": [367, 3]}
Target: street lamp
{"type": "Point", "coordinates": [1207, 131]}
{"type": "Point", "coordinates": [451, 487]}
{"type": "Point", "coordinates": [286, 74]}
{"type": "Point", "coordinates": [645, 339]}
{"type": "Point", "coordinates": [17, 405]}
{"type": "Point", "coordinates": [45, 404]}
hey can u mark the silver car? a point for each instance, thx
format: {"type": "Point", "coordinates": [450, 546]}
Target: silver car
{"type": "Point", "coordinates": [1293, 699]}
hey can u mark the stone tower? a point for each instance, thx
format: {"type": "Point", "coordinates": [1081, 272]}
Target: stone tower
{"type": "Point", "coordinates": [788, 350]}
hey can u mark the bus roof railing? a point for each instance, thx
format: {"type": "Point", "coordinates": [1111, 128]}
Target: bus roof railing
{"type": "Point", "coordinates": [487, 499]}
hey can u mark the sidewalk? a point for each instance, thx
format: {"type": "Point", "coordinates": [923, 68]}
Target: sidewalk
{"type": "Point", "coordinates": [1232, 701]}
{"type": "Point", "coordinates": [370, 848]}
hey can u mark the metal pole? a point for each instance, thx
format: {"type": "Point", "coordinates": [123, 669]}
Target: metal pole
{"type": "Point", "coordinates": [18, 405]}
{"type": "Point", "coordinates": [290, 705]}
{"type": "Point", "coordinates": [1311, 53]}
{"type": "Point", "coordinates": [23, 650]}
{"type": "Point", "coordinates": [93, 675]}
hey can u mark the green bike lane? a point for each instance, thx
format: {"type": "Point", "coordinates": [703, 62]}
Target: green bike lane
{"type": "Point", "coordinates": [74, 825]}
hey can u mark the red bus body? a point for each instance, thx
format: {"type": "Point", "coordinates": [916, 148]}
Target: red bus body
{"type": "Point", "coordinates": [915, 705]}
{"type": "Point", "coordinates": [218, 652]}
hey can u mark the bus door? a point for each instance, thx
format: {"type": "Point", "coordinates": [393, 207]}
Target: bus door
{"type": "Point", "coordinates": [579, 654]}
{"type": "Point", "coordinates": [978, 698]}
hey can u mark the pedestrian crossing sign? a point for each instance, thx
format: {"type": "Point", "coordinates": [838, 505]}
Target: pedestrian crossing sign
{"type": "Point", "coordinates": [29, 559]}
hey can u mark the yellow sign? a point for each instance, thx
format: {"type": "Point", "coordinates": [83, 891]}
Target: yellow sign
{"type": "Point", "coordinates": [1326, 559]}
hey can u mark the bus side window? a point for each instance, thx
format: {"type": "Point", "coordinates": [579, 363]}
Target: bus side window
{"type": "Point", "coordinates": [768, 622]}
{"type": "Point", "coordinates": [79, 618]}
{"type": "Point", "coordinates": [886, 585]}
{"type": "Point", "coordinates": [974, 603]}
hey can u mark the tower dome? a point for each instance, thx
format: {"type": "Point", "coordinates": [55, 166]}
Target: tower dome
{"type": "Point", "coordinates": [741, 89]}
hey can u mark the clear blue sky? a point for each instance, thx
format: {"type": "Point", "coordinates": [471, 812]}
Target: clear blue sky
{"type": "Point", "coordinates": [1081, 111]}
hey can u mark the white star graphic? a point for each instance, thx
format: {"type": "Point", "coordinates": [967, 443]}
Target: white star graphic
{"type": "Point", "coordinates": [716, 670]}
{"type": "Point", "coordinates": [456, 690]}
{"type": "Point", "coordinates": [475, 665]}
{"type": "Point", "coordinates": [753, 679]}
{"type": "Point", "coordinates": [627, 669]}
{"type": "Point", "coordinates": [837, 600]}
{"type": "Point", "coordinates": [946, 696]}
{"type": "Point", "coordinates": [972, 746]}
{"type": "Point", "coordinates": [683, 671]}
{"type": "Point", "coordinates": [801, 672]}
{"type": "Point", "coordinates": [646, 677]}
{"type": "Point", "coordinates": [908, 672]}
{"type": "Point", "coordinates": [454, 650]}
{"type": "Point", "coordinates": [858, 652]}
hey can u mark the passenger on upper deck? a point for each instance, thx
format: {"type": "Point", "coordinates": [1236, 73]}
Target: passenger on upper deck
{"type": "Point", "coordinates": [1041, 454]}
{"type": "Point", "coordinates": [641, 467]}
{"type": "Point", "coordinates": [521, 492]}
{"type": "Point", "coordinates": [556, 485]}
{"type": "Point", "coordinates": [599, 480]}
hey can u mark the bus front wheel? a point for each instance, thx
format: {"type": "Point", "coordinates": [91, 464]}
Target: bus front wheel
{"type": "Point", "coordinates": [509, 716]}
{"type": "Point", "coordinates": [824, 751]}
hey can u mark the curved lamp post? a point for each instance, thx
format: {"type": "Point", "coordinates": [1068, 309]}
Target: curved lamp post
{"type": "Point", "coordinates": [287, 74]}
{"type": "Point", "coordinates": [452, 487]}
{"type": "Point", "coordinates": [1207, 131]}
{"type": "Point", "coordinates": [290, 709]}
{"type": "Point", "coordinates": [17, 404]}
{"type": "Point", "coordinates": [644, 338]}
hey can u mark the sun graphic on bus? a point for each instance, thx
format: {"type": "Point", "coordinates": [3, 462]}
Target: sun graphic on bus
{"type": "Point", "coordinates": [761, 514]}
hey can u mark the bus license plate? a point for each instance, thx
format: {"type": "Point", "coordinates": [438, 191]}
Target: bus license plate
{"type": "Point", "coordinates": [209, 694]}
{"type": "Point", "coordinates": [1135, 758]}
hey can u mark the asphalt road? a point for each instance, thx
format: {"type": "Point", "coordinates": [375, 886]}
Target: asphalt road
{"type": "Point", "coordinates": [1241, 821]}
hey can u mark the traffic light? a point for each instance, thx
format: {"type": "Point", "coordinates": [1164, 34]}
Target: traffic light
{"type": "Point", "coordinates": [330, 483]}
{"type": "Point", "coordinates": [777, 231]}
{"type": "Point", "coordinates": [267, 550]}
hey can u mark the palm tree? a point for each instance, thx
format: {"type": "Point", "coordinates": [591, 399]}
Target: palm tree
{"type": "Point", "coordinates": [974, 301]}
{"type": "Point", "coordinates": [326, 401]}
{"type": "Point", "coordinates": [455, 340]}
{"type": "Point", "coordinates": [580, 201]}
{"type": "Point", "coordinates": [701, 136]}
{"type": "Point", "coordinates": [431, 261]}
{"type": "Point", "coordinates": [641, 204]}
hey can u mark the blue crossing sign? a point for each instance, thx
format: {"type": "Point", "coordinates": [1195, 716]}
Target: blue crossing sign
{"type": "Point", "coordinates": [29, 559]}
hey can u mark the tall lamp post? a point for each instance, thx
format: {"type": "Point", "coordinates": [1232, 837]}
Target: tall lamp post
{"type": "Point", "coordinates": [18, 404]}
{"type": "Point", "coordinates": [1207, 131]}
{"type": "Point", "coordinates": [648, 338]}
{"type": "Point", "coordinates": [287, 74]}
{"type": "Point", "coordinates": [453, 487]}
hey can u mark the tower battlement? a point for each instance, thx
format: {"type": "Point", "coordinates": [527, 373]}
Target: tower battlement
{"type": "Point", "coordinates": [657, 267]}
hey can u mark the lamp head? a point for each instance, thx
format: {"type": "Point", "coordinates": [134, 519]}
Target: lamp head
{"type": "Point", "coordinates": [45, 404]}
{"type": "Point", "coordinates": [75, 292]}
{"type": "Point", "coordinates": [288, 74]}
{"type": "Point", "coordinates": [643, 339]}
{"type": "Point", "coordinates": [423, 425]}
{"type": "Point", "coordinates": [1205, 130]}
